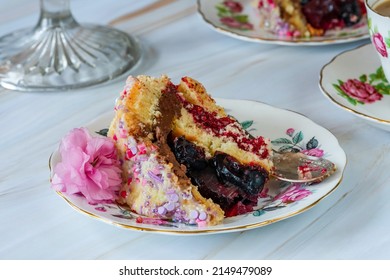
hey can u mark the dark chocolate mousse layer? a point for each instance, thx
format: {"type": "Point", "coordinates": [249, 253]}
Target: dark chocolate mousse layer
{"type": "Point", "coordinates": [169, 108]}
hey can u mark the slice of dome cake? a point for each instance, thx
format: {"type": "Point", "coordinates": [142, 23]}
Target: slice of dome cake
{"type": "Point", "coordinates": [183, 158]}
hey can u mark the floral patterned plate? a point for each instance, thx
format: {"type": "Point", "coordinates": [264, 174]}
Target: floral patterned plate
{"type": "Point", "coordinates": [288, 131]}
{"type": "Point", "coordinates": [245, 25]}
{"type": "Point", "coordinates": [354, 80]}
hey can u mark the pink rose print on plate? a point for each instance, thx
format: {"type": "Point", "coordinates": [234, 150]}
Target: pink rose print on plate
{"type": "Point", "coordinates": [363, 92]}
{"type": "Point", "coordinates": [290, 131]}
{"type": "Point", "coordinates": [314, 152]}
{"type": "Point", "coordinates": [230, 14]}
{"type": "Point", "coordinates": [379, 44]}
{"type": "Point", "coordinates": [231, 22]}
{"type": "Point", "coordinates": [366, 89]}
{"type": "Point", "coordinates": [235, 7]}
{"type": "Point", "coordinates": [293, 193]}
{"type": "Point", "coordinates": [234, 23]}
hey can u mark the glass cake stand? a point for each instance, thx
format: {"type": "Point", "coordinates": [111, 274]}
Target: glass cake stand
{"type": "Point", "coordinates": [60, 54]}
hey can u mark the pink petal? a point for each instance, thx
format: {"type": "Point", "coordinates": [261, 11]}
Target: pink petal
{"type": "Point", "coordinates": [77, 137]}
{"type": "Point", "coordinates": [89, 165]}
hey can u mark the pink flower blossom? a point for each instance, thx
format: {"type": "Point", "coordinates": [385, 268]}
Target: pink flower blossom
{"type": "Point", "coordinates": [89, 165]}
{"type": "Point", "coordinates": [235, 7]}
{"type": "Point", "coordinates": [379, 44]}
{"type": "Point", "coordinates": [314, 152]}
{"type": "Point", "coordinates": [295, 192]}
{"type": "Point", "coordinates": [363, 92]}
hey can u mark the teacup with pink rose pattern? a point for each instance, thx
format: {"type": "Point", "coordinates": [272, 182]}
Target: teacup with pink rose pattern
{"type": "Point", "coordinates": [379, 28]}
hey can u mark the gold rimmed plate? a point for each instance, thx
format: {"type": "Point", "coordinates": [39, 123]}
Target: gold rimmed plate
{"type": "Point", "coordinates": [286, 129]}
{"type": "Point", "coordinates": [358, 70]}
{"type": "Point", "coordinates": [245, 25]}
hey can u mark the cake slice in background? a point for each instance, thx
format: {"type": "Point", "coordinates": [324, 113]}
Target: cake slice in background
{"type": "Point", "coordinates": [306, 18]}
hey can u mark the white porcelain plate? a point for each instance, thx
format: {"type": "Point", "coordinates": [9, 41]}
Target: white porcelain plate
{"type": "Point", "coordinates": [358, 70]}
{"type": "Point", "coordinates": [286, 129]}
{"type": "Point", "coordinates": [247, 27]}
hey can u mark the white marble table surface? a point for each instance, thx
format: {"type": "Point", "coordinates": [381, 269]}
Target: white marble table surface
{"type": "Point", "coordinates": [35, 223]}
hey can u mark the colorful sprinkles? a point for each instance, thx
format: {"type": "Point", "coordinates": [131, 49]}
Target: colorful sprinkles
{"type": "Point", "coordinates": [144, 168]}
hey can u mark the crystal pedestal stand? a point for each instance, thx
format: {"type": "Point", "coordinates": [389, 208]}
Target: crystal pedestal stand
{"type": "Point", "coordinates": [60, 54]}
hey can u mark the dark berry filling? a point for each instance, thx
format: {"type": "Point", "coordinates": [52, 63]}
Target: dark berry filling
{"type": "Point", "coordinates": [187, 153]}
{"type": "Point", "coordinates": [248, 178]}
{"type": "Point", "coordinates": [234, 186]}
{"type": "Point", "coordinates": [329, 14]}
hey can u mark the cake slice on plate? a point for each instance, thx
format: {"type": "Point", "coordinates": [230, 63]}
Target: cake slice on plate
{"type": "Point", "coordinates": [183, 158]}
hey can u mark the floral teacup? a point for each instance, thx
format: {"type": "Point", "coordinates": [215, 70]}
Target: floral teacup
{"type": "Point", "coordinates": [379, 27]}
